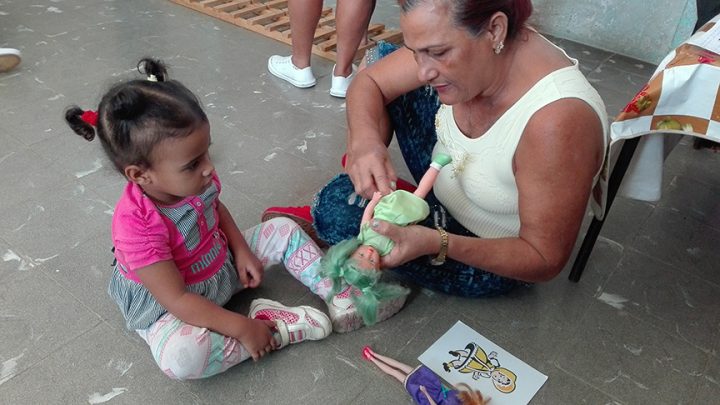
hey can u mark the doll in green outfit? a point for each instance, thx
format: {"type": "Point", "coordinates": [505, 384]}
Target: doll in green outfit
{"type": "Point", "coordinates": [356, 261]}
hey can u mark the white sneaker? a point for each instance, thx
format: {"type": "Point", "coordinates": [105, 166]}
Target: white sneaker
{"type": "Point", "coordinates": [345, 317]}
{"type": "Point", "coordinates": [282, 67]}
{"type": "Point", "coordinates": [9, 58]}
{"type": "Point", "coordinates": [340, 84]}
{"type": "Point", "coordinates": [294, 324]}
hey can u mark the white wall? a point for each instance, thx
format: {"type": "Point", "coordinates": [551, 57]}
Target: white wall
{"type": "Point", "coordinates": [643, 29]}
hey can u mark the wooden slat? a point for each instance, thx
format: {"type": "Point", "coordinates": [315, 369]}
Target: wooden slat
{"type": "Point", "coordinates": [281, 22]}
{"type": "Point", "coordinates": [270, 18]}
{"type": "Point", "coordinates": [231, 6]}
{"type": "Point", "coordinates": [210, 3]}
{"type": "Point", "coordinates": [265, 18]}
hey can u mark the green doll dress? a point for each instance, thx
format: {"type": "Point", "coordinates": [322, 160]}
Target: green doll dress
{"type": "Point", "coordinates": [400, 208]}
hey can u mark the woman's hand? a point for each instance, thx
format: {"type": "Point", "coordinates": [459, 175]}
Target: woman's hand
{"type": "Point", "coordinates": [250, 270]}
{"type": "Point", "coordinates": [411, 242]}
{"type": "Point", "coordinates": [370, 169]}
{"type": "Point", "coordinates": [369, 127]}
{"type": "Point", "coordinates": [256, 336]}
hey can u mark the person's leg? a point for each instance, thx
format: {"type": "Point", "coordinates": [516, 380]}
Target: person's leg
{"type": "Point", "coordinates": [304, 18]}
{"type": "Point", "coordinates": [281, 240]}
{"type": "Point", "coordinates": [351, 22]}
{"type": "Point", "coordinates": [352, 19]}
{"type": "Point", "coordinates": [337, 210]}
{"type": "Point", "coordinates": [295, 69]}
{"type": "Point", "coordinates": [183, 351]}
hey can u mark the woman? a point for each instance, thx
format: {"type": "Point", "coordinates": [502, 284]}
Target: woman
{"type": "Point", "coordinates": [525, 129]}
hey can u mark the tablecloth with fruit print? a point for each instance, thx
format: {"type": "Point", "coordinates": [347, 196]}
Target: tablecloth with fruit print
{"type": "Point", "coordinates": [681, 98]}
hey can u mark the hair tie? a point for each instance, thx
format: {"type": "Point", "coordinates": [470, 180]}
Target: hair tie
{"type": "Point", "coordinates": [152, 78]}
{"type": "Point", "coordinates": [90, 117]}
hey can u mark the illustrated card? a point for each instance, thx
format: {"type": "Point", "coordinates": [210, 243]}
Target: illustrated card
{"type": "Point", "coordinates": [462, 355]}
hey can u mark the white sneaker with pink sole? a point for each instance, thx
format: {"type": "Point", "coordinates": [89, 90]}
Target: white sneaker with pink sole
{"type": "Point", "coordinates": [294, 324]}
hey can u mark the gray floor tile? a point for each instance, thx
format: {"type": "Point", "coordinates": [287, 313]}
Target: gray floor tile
{"type": "Point", "coordinates": [689, 162]}
{"type": "Point", "coordinates": [678, 239]}
{"type": "Point", "coordinates": [97, 367]}
{"type": "Point", "coordinates": [708, 387]}
{"type": "Point", "coordinates": [629, 360]}
{"type": "Point", "coordinates": [670, 300]}
{"type": "Point", "coordinates": [30, 331]}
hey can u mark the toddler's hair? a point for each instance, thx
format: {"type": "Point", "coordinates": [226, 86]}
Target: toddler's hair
{"type": "Point", "coordinates": [136, 115]}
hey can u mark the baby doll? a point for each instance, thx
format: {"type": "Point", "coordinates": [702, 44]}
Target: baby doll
{"type": "Point", "coordinates": [357, 260]}
{"type": "Point", "coordinates": [422, 384]}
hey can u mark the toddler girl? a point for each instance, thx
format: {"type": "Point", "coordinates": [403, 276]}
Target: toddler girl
{"type": "Point", "coordinates": [179, 256]}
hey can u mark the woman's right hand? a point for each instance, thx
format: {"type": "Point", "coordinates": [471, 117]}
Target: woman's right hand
{"type": "Point", "coordinates": [256, 336]}
{"type": "Point", "coordinates": [370, 169]}
{"type": "Point", "coordinates": [369, 128]}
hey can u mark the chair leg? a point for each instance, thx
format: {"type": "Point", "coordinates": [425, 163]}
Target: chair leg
{"type": "Point", "coordinates": [585, 249]}
{"type": "Point", "coordinates": [616, 176]}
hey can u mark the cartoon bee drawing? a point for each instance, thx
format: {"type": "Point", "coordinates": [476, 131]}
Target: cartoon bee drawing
{"type": "Point", "coordinates": [473, 360]}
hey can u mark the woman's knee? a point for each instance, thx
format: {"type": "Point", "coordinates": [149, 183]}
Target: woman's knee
{"type": "Point", "coordinates": [337, 210]}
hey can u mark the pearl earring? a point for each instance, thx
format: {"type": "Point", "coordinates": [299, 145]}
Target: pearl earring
{"type": "Point", "coordinates": [499, 47]}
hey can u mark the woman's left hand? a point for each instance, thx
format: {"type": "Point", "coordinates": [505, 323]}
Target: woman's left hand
{"type": "Point", "coordinates": [249, 269]}
{"type": "Point", "coordinates": [411, 242]}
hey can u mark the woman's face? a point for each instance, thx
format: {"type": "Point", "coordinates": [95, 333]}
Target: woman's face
{"type": "Point", "coordinates": [448, 58]}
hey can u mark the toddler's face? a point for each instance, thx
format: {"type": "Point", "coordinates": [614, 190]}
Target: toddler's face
{"type": "Point", "coordinates": [181, 167]}
{"type": "Point", "coordinates": [366, 257]}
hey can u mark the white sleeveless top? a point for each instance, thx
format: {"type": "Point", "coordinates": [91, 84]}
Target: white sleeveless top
{"type": "Point", "coordinates": [479, 190]}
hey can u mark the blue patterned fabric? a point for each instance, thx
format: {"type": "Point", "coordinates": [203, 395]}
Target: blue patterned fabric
{"type": "Point", "coordinates": [337, 211]}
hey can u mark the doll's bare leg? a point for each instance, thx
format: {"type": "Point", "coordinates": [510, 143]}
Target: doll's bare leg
{"type": "Point", "coordinates": [427, 396]}
{"type": "Point", "coordinates": [426, 183]}
{"type": "Point", "coordinates": [369, 354]}
{"type": "Point", "coordinates": [398, 374]}
{"type": "Point", "coordinates": [392, 362]}
{"type": "Point", "coordinates": [428, 179]}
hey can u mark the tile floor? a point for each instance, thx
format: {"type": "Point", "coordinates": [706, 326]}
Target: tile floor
{"type": "Point", "coordinates": [641, 327]}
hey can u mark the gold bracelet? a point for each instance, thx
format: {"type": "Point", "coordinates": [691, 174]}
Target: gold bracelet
{"type": "Point", "coordinates": [440, 258]}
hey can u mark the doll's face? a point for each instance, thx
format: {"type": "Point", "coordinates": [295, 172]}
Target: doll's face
{"type": "Point", "coordinates": [366, 257]}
